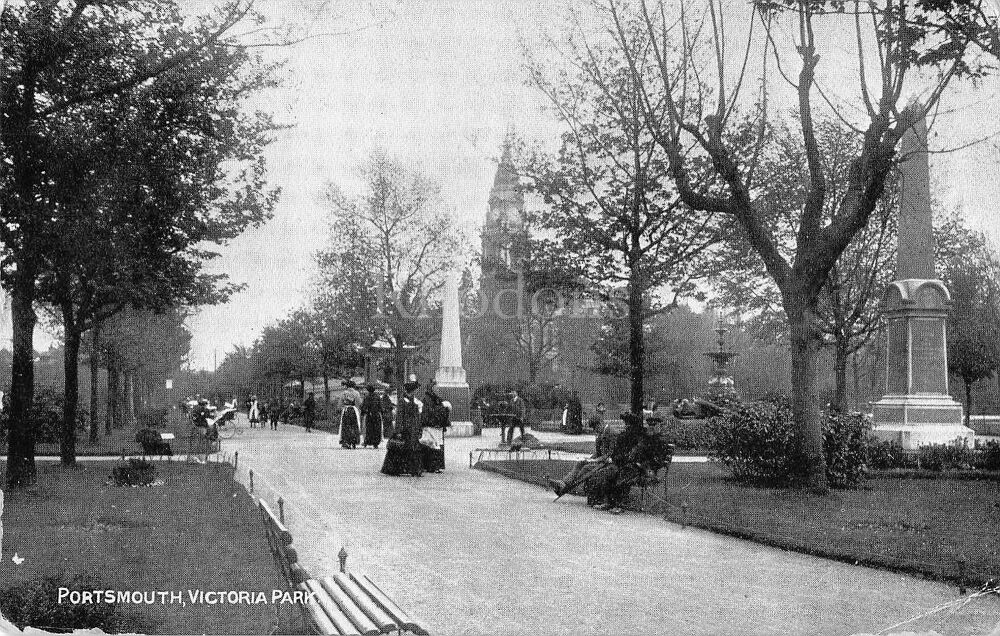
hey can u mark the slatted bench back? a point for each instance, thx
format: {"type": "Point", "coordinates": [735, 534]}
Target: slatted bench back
{"type": "Point", "coordinates": [279, 541]}
{"type": "Point", "coordinates": [351, 605]}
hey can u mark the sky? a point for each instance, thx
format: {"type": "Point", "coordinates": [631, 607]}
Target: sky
{"type": "Point", "coordinates": [438, 83]}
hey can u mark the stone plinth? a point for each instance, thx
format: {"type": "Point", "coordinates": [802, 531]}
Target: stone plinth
{"type": "Point", "coordinates": [449, 380]}
{"type": "Point", "coordinates": [917, 409]}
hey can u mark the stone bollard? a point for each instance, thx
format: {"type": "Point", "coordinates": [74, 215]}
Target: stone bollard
{"type": "Point", "coordinates": [342, 555]}
{"type": "Point", "coordinates": [251, 481]}
{"type": "Point", "coordinates": [281, 510]}
{"type": "Point", "coordinates": [684, 514]}
{"type": "Point", "coordinates": [961, 573]}
{"type": "Point", "coordinates": [236, 460]}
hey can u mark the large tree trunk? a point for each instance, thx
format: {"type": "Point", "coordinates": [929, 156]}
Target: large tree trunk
{"type": "Point", "coordinates": [636, 347]}
{"type": "Point", "coordinates": [95, 339]}
{"type": "Point", "coordinates": [855, 368]}
{"type": "Point", "coordinates": [805, 341]}
{"type": "Point", "coordinates": [111, 412]}
{"type": "Point", "coordinates": [21, 440]}
{"type": "Point", "coordinates": [839, 402]}
{"type": "Point", "coordinates": [130, 417]}
{"type": "Point", "coordinates": [71, 390]}
{"type": "Point", "coordinates": [968, 401]}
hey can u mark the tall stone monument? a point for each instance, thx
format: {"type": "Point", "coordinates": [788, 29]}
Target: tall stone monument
{"type": "Point", "coordinates": [916, 409]}
{"type": "Point", "coordinates": [450, 375]}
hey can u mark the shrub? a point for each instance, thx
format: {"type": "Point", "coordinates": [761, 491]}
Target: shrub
{"type": "Point", "coordinates": [940, 457]}
{"type": "Point", "coordinates": [845, 444]}
{"type": "Point", "coordinates": [886, 455]}
{"type": "Point", "coordinates": [756, 441]}
{"type": "Point", "coordinates": [36, 603]}
{"type": "Point", "coordinates": [136, 472]}
{"type": "Point", "coordinates": [152, 443]}
{"type": "Point", "coordinates": [689, 434]}
{"type": "Point", "coordinates": [46, 415]}
{"type": "Point", "coordinates": [988, 457]}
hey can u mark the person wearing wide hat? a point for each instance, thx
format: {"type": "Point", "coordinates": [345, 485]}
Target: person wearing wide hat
{"type": "Point", "coordinates": [371, 417]}
{"type": "Point", "coordinates": [350, 416]}
{"type": "Point", "coordinates": [434, 420]}
{"type": "Point", "coordinates": [403, 449]}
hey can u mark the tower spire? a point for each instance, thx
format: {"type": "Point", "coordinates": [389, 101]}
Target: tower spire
{"type": "Point", "coordinates": [507, 196]}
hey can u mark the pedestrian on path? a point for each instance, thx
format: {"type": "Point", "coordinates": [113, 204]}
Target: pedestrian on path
{"type": "Point", "coordinates": [520, 413]}
{"type": "Point", "coordinates": [403, 449]}
{"type": "Point", "coordinates": [254, 412]}
{"type": "Point", "coordinates": [388, 411]}
{"type": "Point", "coordinates": [350, 417]}
{"type": "Point", "coordinates": [309, 412]}
{"type": "Point", "coordinates": [274, 413]}
{"type": "Point", "coordinates": [371, 416]}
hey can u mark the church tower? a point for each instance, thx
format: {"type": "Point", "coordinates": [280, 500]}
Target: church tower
{"type": "Point", "coordinates": [504, 233]}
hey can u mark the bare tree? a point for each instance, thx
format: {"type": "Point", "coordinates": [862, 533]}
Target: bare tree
{"type": "Point", "coordinates": [908, 47]}
{"type": "Point", "coordinates": [413, 244]}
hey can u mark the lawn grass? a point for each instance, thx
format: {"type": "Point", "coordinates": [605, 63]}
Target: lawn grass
{"type": "Point", "coordinates": [918, 526]}
{"type": "Point", "coordinates": [199, 530]}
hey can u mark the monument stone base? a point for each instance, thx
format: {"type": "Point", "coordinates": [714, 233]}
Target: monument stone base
{"type": "Point", "coordinates": [461, 416]}
{"type": "Point", "coordinates": [913, 421]}
{"type": "Point", "coordinates": [460, 429]}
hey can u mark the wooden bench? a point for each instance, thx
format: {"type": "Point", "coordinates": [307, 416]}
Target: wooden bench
{"type": "Point", "coordinates": [351, 605]}
{"type": "Point", "coordinates": [279, 540]}
{"type": "Point", "coordinates": [338, 605]}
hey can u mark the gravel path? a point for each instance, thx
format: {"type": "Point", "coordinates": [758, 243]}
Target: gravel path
{"type": "Point", "coordinates": [469, 552]}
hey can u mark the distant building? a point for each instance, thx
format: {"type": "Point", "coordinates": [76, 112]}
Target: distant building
{"type": "Point", "coordinates": [511, 342]}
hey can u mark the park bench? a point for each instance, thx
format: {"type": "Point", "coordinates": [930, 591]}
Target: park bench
{"type": "Point", "coordinates": [154, 442]}
{"type": "Point", "coordinates": [339, 605]}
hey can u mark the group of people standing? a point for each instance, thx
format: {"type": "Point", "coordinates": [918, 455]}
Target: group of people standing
{"type": "Point", "coordinates": [414, 447]}
{"type": "Point", "coordinates": [371, 415]}
{"type": "Point", "coordinates": [275, 410]}
{"type": "Point", "coordinates": [508, 414]}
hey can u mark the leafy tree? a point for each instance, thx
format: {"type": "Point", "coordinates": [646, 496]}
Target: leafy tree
{"type": "Point", "coordinates": [142, 194]}
{"type": "Point", "coordinates": [608, 196]}
{"type": "Point", "coordinates": [693, 107]}
{"type": "Point", "coordinates": [970, 269]}
{"type": "Point", "coordinates": [409, 242]}
{"type": "Point", "coordinates": [61, 62]}
{"type": "Point", "coordinates": [139, 346]}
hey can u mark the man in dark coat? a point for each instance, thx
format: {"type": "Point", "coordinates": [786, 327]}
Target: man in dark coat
{"type": "Point", "coordinates": [519, 410]}
{"type": "Point", "coordinates": [309, 412]}
{"type": "Point", "coordinates": [388, 409]}
{"type": "Point", "coordinates": [371, 414]}
{"type": "Point", "coordinates": [574, 414]}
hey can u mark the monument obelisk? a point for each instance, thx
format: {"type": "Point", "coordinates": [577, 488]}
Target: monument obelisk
{"type": "Point", "coordinates": [916, 409]}
{"type": "Point", "coordinates": [450, 376]}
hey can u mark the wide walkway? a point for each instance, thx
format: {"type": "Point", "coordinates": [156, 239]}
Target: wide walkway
{"type": "Point", "coordinates": [470, 552]}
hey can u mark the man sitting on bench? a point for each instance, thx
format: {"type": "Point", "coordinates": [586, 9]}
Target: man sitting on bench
{"type": "Point", "coordinates": [604, 449]}
{"type": "Point", "coordinates": [633, 462]}
{"type": "Point", "coordinates": [618, 463]}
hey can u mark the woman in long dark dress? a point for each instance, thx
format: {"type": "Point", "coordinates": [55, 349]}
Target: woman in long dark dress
{"type": "Point", "coordinates": [433, 417]}
{"type": "Point", "coordinates": [403, 449]}
{"type": "Point", "coordinates": [350, 418]}
{"type": "Point", "coordinates": [371, 413]}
